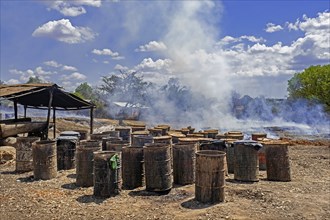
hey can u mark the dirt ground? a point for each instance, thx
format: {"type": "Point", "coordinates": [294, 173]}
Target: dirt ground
{"type": "Point", "coordinates": [307, 196]}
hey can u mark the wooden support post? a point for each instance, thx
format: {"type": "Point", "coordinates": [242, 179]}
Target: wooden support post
{"type": "Point", "coordinates": [15, 109]}
{"type": "Point", "coordinates": [91, 119]}
{"type": "Point", "coordinates": [49, 107]}
{"type": "Point", "coordinates": [54, 121]}
{"type": "Point", "coordinates": [25, 107]}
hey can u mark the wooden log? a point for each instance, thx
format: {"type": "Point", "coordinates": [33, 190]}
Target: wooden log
{"type": "Point", "coordinates": [9, 130]}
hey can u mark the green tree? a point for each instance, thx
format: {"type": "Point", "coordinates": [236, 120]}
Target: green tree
{"type": "Point", "coordinates": [34, 79]}
{"type": "Point", "coordinates": [312, 84]}
{"type": "Point", "coordinates": [85, 91]}
{"type": "Point", "coordinates": [125, 87]}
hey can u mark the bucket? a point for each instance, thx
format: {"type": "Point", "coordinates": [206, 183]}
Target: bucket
{"type": "Point", "coordinates": [124, 133]}
{"type": "Point", "coordinates": [218, 145]}
{"type": "Point", "coordinates": [107, 174]}
{"type": "Point", "coordinates": [133, 169]}
{"type": "Point", "coordinates": [246, 161]}
{"type": "Point", "coordinates": [66, 148]}
{"type": "Point", "coordinates": [44, 160]}
{"type": "Point", "coordinates": [157, 161]}
{"type": "Point", "coordinates": [116, 146]}
{"type": "Point", "coordinates": [85, 162]}
{"type": "Point", "coordinates": [141, 140]}
{"type": "Point", "coordinates": [24, 161]}
{"type": "Point", "coordinates": [278, 162]}
{"type": "Point", "coordinates": [210, 176]}
{"type": "Point", "coordinates": [184, 163]}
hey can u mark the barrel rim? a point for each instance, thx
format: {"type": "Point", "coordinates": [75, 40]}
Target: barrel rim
{"type": "Point", "coordinates": [44, 142]}
{"type": "Point", "coordinates": [211, 153]}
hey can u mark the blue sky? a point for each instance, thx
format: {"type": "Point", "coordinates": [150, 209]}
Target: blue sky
{"type": "Point", "coordinates": [253, 47]}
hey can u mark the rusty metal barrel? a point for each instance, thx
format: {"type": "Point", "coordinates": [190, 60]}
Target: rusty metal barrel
{"type": "Point", "coordinates": [83, 134]}
{"type": "Point", "coordinates": [85, 162]}
{"type": "Point", "coordinates": [246, 160]}
{"type": "Point", "coordinates": [44, 160]}
{"type": "Point", "coordinates": [230, 154]}
{"type": "Point", "coordinates": [124, 133]}
{"type": "Point", "coordinates": [132, 167]}
{"type": "Point", "coordinates": [163, 140]}
{"type": "Point", "coordinates": [109, 139]}
{"type": "Point", "coordinates": [157, 161]}
{"type": "Point", "coordinates": [107, 174]}
{"type": "Point", "coordinates": [218, 145]}
{"type": "Point", "coordinates": [24, 160]}
{"type": "Point", "coordinates": [261, 152]}
{"type": "Point", "coordinates": [112, 133]}
{"type": "Point", "coordinates": [184, 159]}
{"type": "Point", "coordinates": [141, 140]}
{"type": "Point", "coordinates": [212, 133]}
{"type": "Point", "coordinates": [278, 162]}
{"type": "Point", "coordinates": [210, 176]}
{"type": "Point", "coordinates": [155, 131]}
{"type": "Point", "coordinates": [175, 137]}
{"type": "Point", "coordinates": [98, 136]}
{"type": "Point", "coordinates": [66, 148]}
{"type": "Point", "coordinates": [116, 145]}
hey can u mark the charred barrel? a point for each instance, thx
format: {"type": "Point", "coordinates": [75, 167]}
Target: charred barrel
{"type": "Point", "coordinates": [246, 161]}
{"type": "Point", "coordinates": [157, 161]}
{"type": "Point", "coordinates": [107, 174]}
{"type": "Point", "coordinates": [184, 163]}
{"type": "Point", "coordinates": [133, 167]}
{"type": "Point", "coordinates": [66, 148]}
{"type": "Point", "coordinates": [44, 160]}
{"type": "Point", "coordinates": [210, 176]}
{"type": "Point", "coordinates": [24, 160]}
{"type": "Point", "coordinates": [278, 162]}
{"type": "Point", "coordinates": [85, 162]}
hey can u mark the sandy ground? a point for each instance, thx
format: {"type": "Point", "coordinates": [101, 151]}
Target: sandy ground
{"type": "Point", "coordinates": [307, 196]}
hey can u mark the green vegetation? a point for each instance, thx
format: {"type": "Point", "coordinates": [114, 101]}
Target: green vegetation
{"type": "Point", "coordinates": [312, 84]}
{"type": "Point", "coordinates": [33, 80]}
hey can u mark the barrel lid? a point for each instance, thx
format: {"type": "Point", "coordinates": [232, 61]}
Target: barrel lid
{"type": "Point", "coordinates": [70, 138]}
{"type": "Point", "coordinates": [144, 132]}
{"type": "Point", "coordinates": [70, 133]}
{"type": "Point", "coordinates": [162, 137]}
{"type": "Point", "coordinates": [249, 143]}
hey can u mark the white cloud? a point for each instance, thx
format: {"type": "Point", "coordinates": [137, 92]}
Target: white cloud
{"type": "Point", "coordinates": [23, 76]}
{"type": "Point", "coordinates": [75, 76]}
{"type": "Point", "coordinates": [73, 7]}
{"type": "Point", "coordinates": [152, 46]}
{"type": "Point", "coordinates": [12, 81]}
{"type": "Point", "coordinates": [148, 64]}
{"type": "Point", "coordinates": [120, 67]}
{"type": "Point", "coordinates": [108, 52]}
{"type": "Point", "coordinates": [273, 28]}
{"type": "Point", "coordinates": [52, 63]}
{"type": "Point", "coordinates": [69, 68]}
{"type": "Point", "coordinates": [62, 30]}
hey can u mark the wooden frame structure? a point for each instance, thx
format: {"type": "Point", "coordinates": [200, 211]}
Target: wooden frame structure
{"type": "Point", "coordinates": [47, 97]}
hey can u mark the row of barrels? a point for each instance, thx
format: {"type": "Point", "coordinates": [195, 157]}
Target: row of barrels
{"type": "Point", "coordinates": [106, 160]}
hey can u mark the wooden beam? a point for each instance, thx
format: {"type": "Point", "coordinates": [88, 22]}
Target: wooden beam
{"type": "Point", "coordinates": [91, 119]}
{"type": "Point", "coordinates": [25, 107]}
{"type": "Point", "coordinates": [54, 121]}
{"type": "Point", "coordinates": [49, 107]}
{"type": "Point", "coordinates": [15, 109]}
